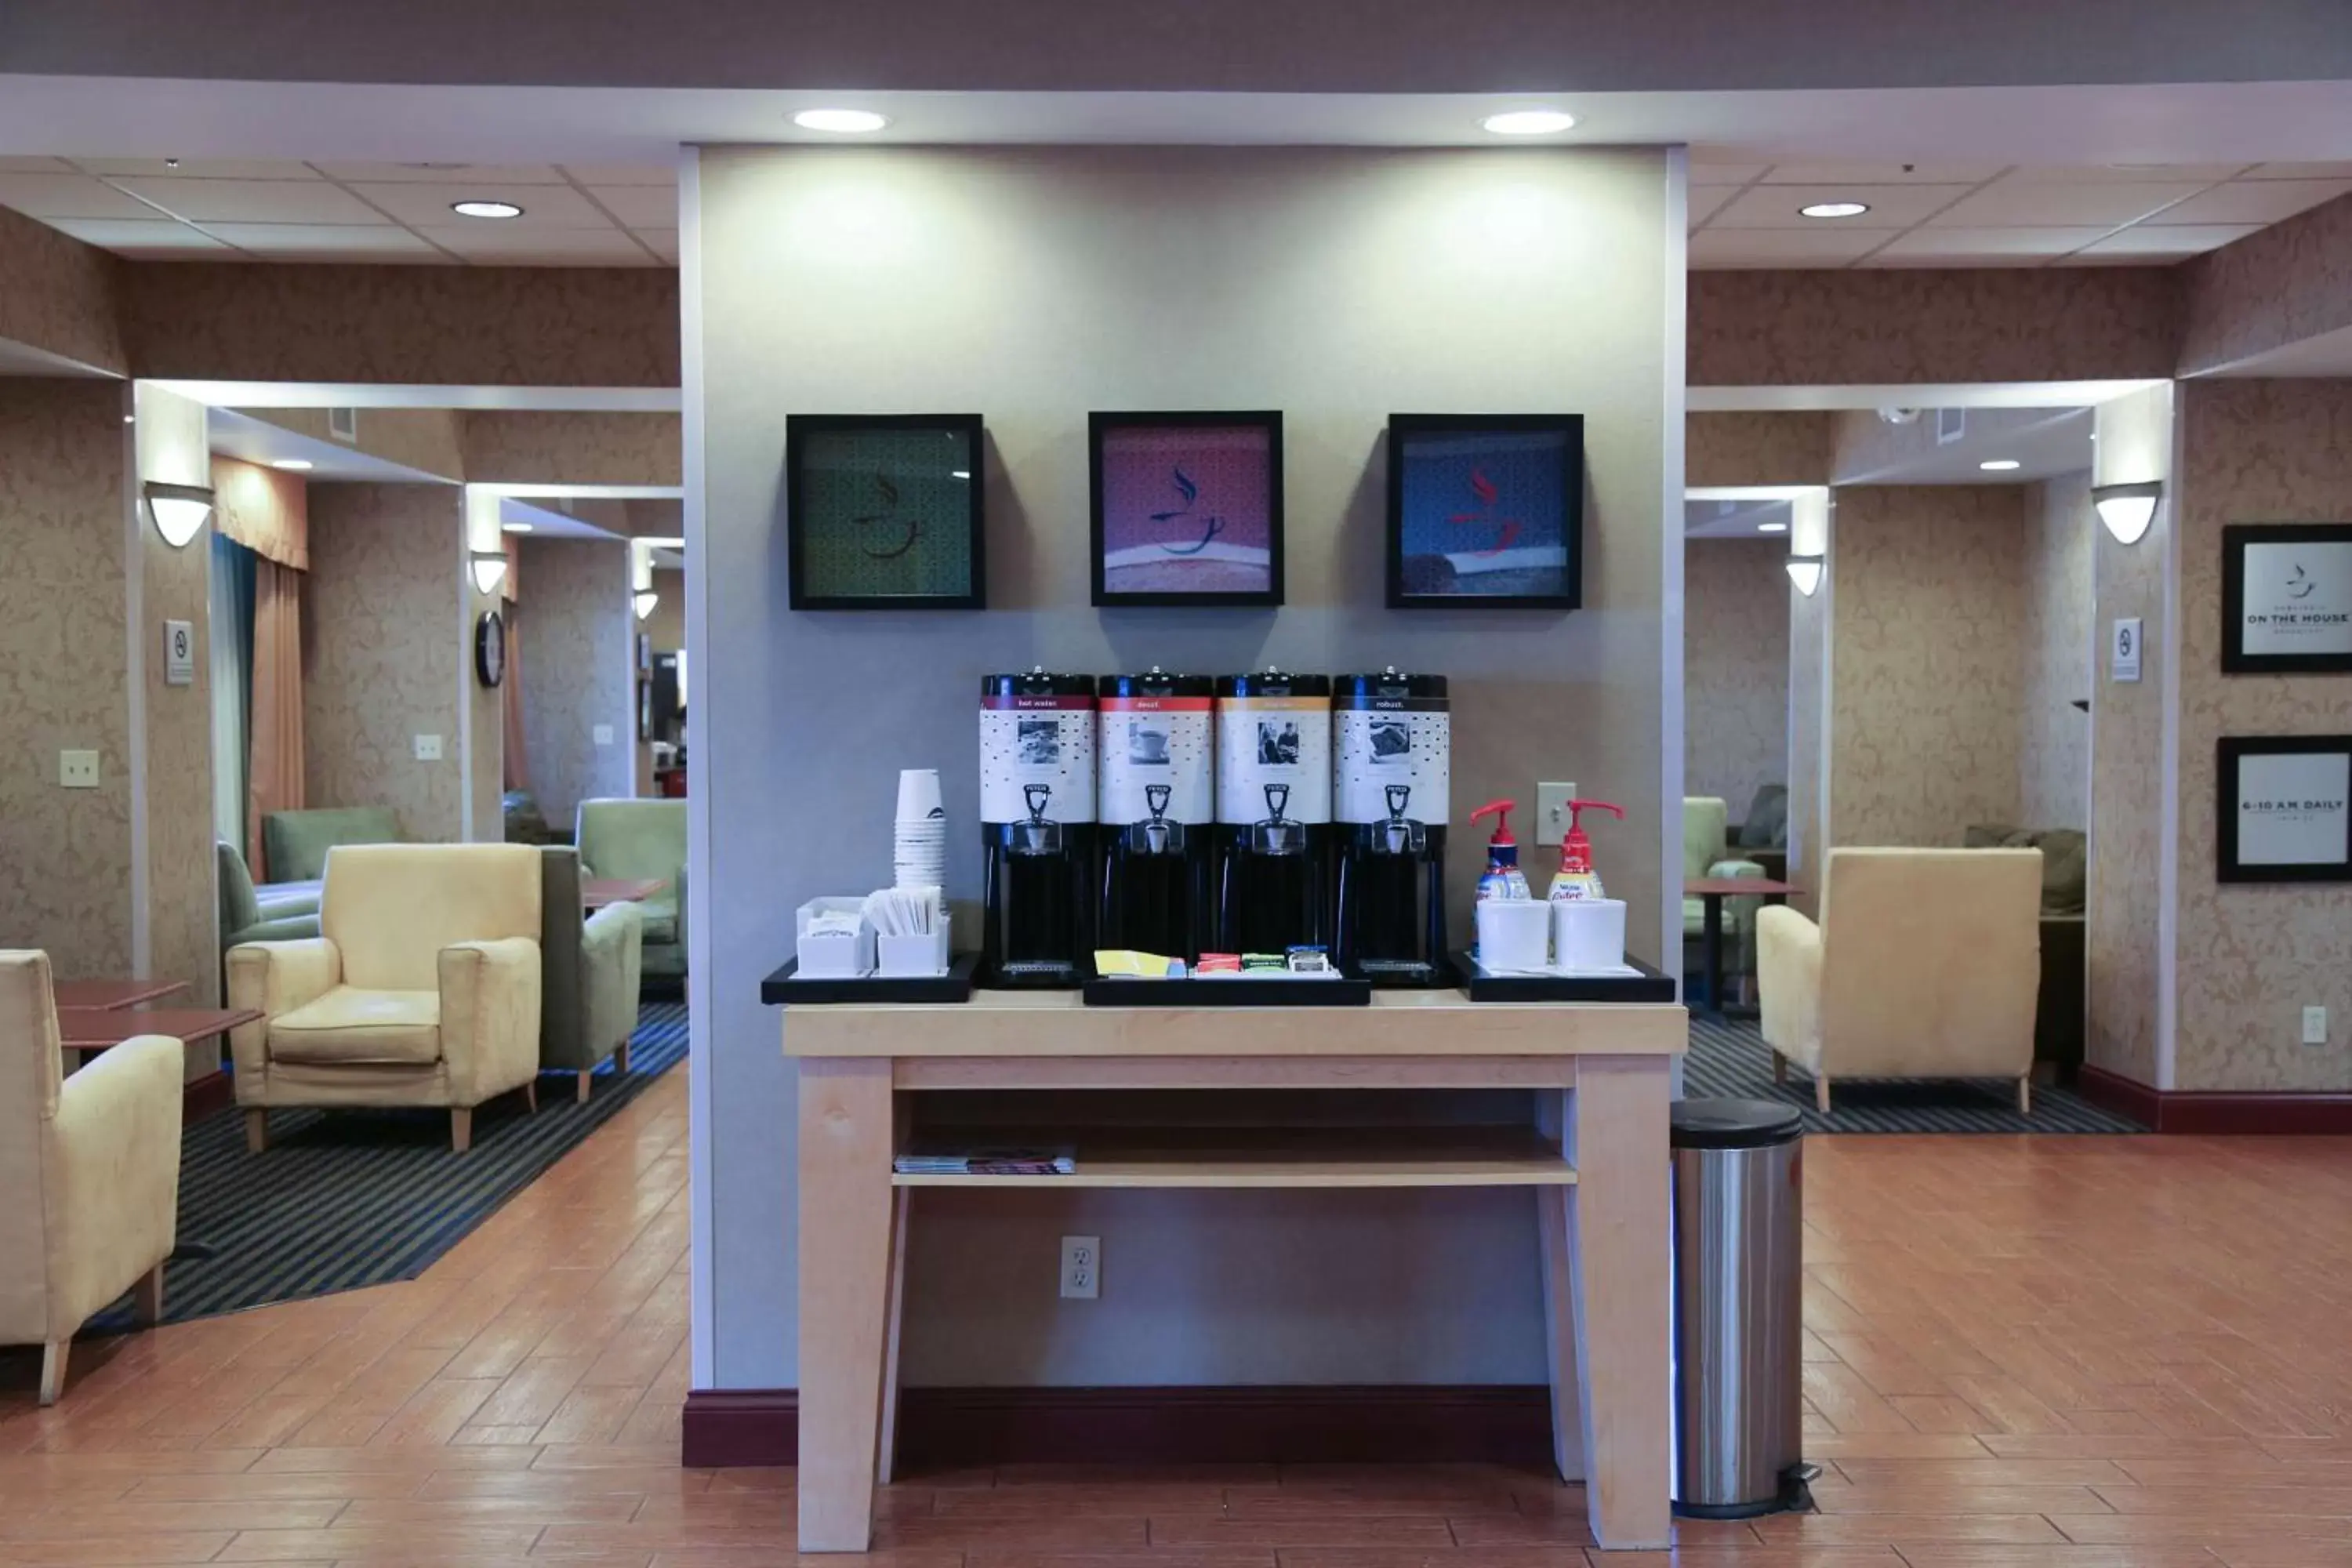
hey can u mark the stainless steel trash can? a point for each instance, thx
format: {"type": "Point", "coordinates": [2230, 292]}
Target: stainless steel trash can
{"type": "Point", "coordinates": [1738, 1308]}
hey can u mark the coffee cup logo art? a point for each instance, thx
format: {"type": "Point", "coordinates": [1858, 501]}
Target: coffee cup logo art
{"type": "Point", "coordinates": [2298, 609]}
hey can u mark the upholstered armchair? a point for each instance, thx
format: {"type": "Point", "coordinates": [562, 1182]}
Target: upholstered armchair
{"type": "Point", "coordinates": [89, 1172]}
{"type": "Point", "coordinates": [295, 843]}
{"type": "Point", "coordinates": [642, 838]}
{"type": "Point", "coordinates": [590, 974]}
{"type": "Point", "coordinates": [422, 988]}
{"type": "Point", "coordinates": [247, 914]}
{"type": "Point", "coordinates": [1706, 853]}
{"type": "Point", "coordinates": [1926, 964]}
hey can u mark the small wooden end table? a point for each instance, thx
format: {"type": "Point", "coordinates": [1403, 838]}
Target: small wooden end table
{"type": "Point", "coordinates": [1711, 891]}
{"type": "Point", "coordinates": [86, 1031]}
{"type": "Point", "coordinates": [108, 994]}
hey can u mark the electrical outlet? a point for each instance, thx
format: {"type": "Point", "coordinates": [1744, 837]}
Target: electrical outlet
{"type": "Point", "coordinates": [77, 769]}
{"type": "Point", "coordinates": [2314, 1025]}
{"type": "Point", "coordinates": [1552, 811]}
{"type": "Point", "coordinates": [1081, 1268]}
{"type": "Point", "coordinates": [603, 734]}
{"type": "Point", "coordinates": [428, 747]}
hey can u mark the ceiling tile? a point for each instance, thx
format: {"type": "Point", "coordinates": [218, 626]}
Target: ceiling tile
{"type": "Point", "coordinates": [625, 174]}
{"type": "Point", "coordinates": [1921, 244]}
{"type": "Point", "coordinates": [2298, 171]}
{"type": "Point", "coordinates": [512, 245]}
{"type": "Point", "coordinates": [69, 195]}
{"type": "Point", "coordinates": [1827, 245]}
{"type": "Point", "coordinates": [150, 236]}
{"type": "Point", "coordinates": [1723, 173]}
{"type": "Point", "coordinates": [252, 201]}
{"type": "Point", "coordinates": [34, 166]}
{"type": "Point", "coordinates": [1776, 206]}
{"type": "Point", "coordinates": [443, 173]}
{"type": "Point", "coordinates": [311, 239]}
{"type": "Point", "coordinates": [202, 168]}
{"type": "Point", "coordinates": [664, 242]}
{"type": "Point", "coordinates": [640, 207]}
{"type": "Point", "coordinates": [2254, 201]}
{"type": "Point", "coordinates": [1705, 200]}
{"type": "Point", "coordinates": [1881, 173]}
{"type": "Point", "coordinates": [2170, 239]}
{"type": "Point", "coordinates": [544, 207]}
{"type": "Point", "coordinates": [2120, 173]}
{"type": "Point", "coordinates": [2011, 203]}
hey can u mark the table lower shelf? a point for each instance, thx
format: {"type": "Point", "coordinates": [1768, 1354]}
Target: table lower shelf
{"type": "Point", "coordinates": [1232, 1157]}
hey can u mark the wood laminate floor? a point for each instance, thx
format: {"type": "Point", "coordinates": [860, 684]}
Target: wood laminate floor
{"type": "Point", "coordinates": [2088, 1352]}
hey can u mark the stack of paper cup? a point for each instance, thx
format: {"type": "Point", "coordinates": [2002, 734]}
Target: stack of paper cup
{"type": "Point", "coordinates": [919, 858]}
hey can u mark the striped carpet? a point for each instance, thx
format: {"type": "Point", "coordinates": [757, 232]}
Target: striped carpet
{"type": "Point", "coordinates": [1730, 1058]}
{"type": "Point", "coordinates": [344, 1199]}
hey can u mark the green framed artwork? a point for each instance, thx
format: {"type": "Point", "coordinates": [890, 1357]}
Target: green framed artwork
{"type": "Point", "coordinates": [882, 512]}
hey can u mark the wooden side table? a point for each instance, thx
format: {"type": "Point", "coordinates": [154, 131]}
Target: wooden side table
{"type": "Point", "coordinates": [1711, 891]}
{"type": "Point", "coordinates": [86, 1031]}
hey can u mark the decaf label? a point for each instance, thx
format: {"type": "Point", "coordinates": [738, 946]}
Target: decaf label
{"type": "Point", "coordinates": [1155, 741]}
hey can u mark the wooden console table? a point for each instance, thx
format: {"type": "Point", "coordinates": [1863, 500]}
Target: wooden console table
{"type": "Point", "coordinates": [1597, 1158]}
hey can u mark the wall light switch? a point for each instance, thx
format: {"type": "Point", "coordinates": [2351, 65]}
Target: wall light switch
{"type": "Point", "coordinates": [604, 733]}
{"type": "Point", "coordinates": [77, 769]}
{"type": "Point", "coordinates": [428, 747]}
{"type": "Point", "coordinates": [1552, 811]}
{"type": "Point", "coordinates": [2314, 1025]}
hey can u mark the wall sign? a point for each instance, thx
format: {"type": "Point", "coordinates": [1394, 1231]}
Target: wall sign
{"type": "Point", "coordinates": [2285, 808]}
{"type": "Point", "coordinates": [2286, 598]}
{"type": "Point", "coordinates": [179, 653]}
{"type": "Point", "coordinates": [883, 511]}
{"type": "Point", "coordinates": [2124, 649]}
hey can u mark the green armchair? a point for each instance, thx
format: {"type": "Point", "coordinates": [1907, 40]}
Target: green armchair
{"type": "Point", "coordinates": [1707, 854]}
{"type": "Point", "coordinates": [642, 838]}
{"type": "Point", "coordinates": [295, 843]}
{"type": "Point", "coordinates": [246, 915]}
{"type": "Point", "coordinates": [588, 973]}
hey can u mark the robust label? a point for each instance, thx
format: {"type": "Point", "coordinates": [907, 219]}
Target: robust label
{"type": "Point", "coordinates": [1151, 742]}
{"type": "Point", "coordinates": [1389, 742]}
{"type": "Point", "coordinates": [1273, 740]}
{"type": "Point", "coordinates": [1043, 741]}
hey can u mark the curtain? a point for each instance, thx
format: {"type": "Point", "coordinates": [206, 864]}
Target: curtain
{"type": "Point", "coordinates": [517, 765]}
{"type": "Point", "coordinates": [231, 610]}
{"type": "Point", "coordinates": [276, 740]}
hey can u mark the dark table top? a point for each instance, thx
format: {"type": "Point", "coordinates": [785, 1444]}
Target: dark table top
{"type": "Point", "coordinates": [107, 993]}
{"type": "Point", "coordinates": [1739, 887]}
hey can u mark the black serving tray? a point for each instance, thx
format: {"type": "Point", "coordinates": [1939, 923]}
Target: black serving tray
{"type": "Point", "coordinates": [1251, 991]}
{"type": "Point", "coordinates": [1649, 985]}
{"type": "Point", "coordinates": [785, 988]}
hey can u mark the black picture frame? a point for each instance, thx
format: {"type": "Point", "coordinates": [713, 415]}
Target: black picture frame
{"type": "Point", "coordinates": [1403, 431]}
{"type": "Point", "coordinates": [804, 432]}
{"type": "Point", "coordinates": [2232, 752]}
{"type": "Point", "coordinates": [1102, 425]}
{"type": "Point", "coordinates": [2235, 540]}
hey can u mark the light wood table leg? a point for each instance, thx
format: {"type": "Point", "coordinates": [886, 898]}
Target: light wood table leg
{"type": "Point", "coordinates": [1559, 1301]}
{"type": "Point", "coordinates": [1620, 1245]}
{"type": "Point", "coordinates": [888, 1445]}
{"type": "Point", "coordinates": [845, 1269]}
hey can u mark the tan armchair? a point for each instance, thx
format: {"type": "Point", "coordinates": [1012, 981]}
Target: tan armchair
{"type": "Point", "coordinates": [1926, 964]}
{"type": "Point", "coordinates": [422, 988]}
{"type": "Point", "coordinates": [89, 1172]}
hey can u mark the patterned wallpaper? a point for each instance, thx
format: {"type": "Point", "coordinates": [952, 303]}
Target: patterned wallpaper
{"type": "Point", "coordinates": [1928, 628]}
{"type": "Point", "coordinates": [544, 447]}
{"type": "Point", "coordinates": [2277, 285]}
{"type": "Point", "coordinates": [578, 638]}
{"type": "Point", "coordinates": [59, 296]}
{"type": "Point", "coordinates": [2054, 757]}
{"type": "Point", "coordinates": [65, 855]}
{"type": "Point", "coordinates": [2251, 957]}
{"type": "Point", "coordinates": [1755, 449]}
{"type": "Point", "coordinates": [1913, 326]}
{"type": "Point", "coordinates": [383, 650]}
{"type": "Point", "coordinates": [1735, 668]}
{"type": "Point", "coordinates": [426, 439]}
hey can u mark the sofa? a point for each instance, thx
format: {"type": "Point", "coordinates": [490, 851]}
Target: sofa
{"type": "Point", "coordinates": [90, 1168]}
{"type": "Point", "coordinates": [1706, 853]}
{"type": "Point", "coordinates": [259, 914]}
{"type": "Point", "coordinates": [589, 975]}
{"type": "Point", "coordinates": [295, 843]}
{"type": "Point", "coordinates": [1926, 964]}
{"type": "Point", "coordinates": [642, 838]}
{"type": "Point", "coordinates": [421, 989]}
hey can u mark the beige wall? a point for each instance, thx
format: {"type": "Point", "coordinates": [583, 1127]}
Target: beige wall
{"type": "Point", "coordinates": [58, 297]}
{"type": "Point", "coordinates": [65, 855]}
{"type": "Point", "coordinates": [426, 439]}
{"type": "Point", "coordinates": [546, 446]}
{"type": "Point", "coordinates": [578, 671]}
{"type": "Point", "coordinates": [385, 654]}
{"type": "Point", "coordinates": [1755, 449]}
{"type": "Point", "coordinates": [2276, 287]}
{"type": "Point", "coordinates": [2053, 758]}
{"type": "Point", "coordinates": [1928, 628]}
{"type": "Point", "coordinates": [1337, 286]}
{"type": "Point", "coordinates": [1735, 668]}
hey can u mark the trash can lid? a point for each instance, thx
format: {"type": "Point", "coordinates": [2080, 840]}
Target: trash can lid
{"type": "Point", "coordinates": [1734, 1123]}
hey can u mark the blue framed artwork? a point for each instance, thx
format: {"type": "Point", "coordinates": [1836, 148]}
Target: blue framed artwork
{"type": "Point", "coordinates": [882, 512]}
{"type": "Point", "coordinates": [1486, 511]}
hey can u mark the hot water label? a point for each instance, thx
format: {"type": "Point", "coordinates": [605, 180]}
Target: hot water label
{"type": "Point", "coordinates": [1151, 742]}
{"type": "Point", "coordinates": [1387, 741]}
{"type": "Point", "coordinates": [1045, 741]}
{"type": "Point", "coordinates": [1279, 743]}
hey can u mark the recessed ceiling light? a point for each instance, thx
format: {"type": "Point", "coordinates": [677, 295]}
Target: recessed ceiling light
{"type": "Point", "coordinates": [291, 465]}
{"type": "Point", "coordinates": [1771, 528]}
{"type": "Point", "coordinates": [486, 209]}
{"type": "Point", "coordinates": [1529, 122]}
{"type": "Point", "coordinates": [841, 122]}
{"type": "Point", "coordinates": [1998, 465]}
{"type": "Point", "coordinates": [1834, 209]}
{"type": "Point", "coordinates": [514, 528]}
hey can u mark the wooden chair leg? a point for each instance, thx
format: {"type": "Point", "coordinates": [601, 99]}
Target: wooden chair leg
{"type": "Point", "coordinates": [1780, 1067]}
{"type": "Point", "coordinates": [621, 1058]}
{"type": "Point", "coordinates": [257, 1129]}
{"type": "Point", "coordinates": [461, 1129]}
{"type": "Point", "coordinates": [582, 1091]}
{"type": "Point", "coordinates": [531, 1097]}
{"type": "Point", "coordinates": [149, 1296]}
{"type": "Point", "coordinates": [2025, 1094]}
{"type": "Point", "coordinates": [53, 1369]}
{"type": "Point", "coordinates": [1821, 1094]}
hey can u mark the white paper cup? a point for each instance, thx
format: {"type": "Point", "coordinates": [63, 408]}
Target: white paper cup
{"type": "Point", "coordinates": [919, 794]}
{"type": "Point", "coordinates": [1589, 933]}
{"type": "Point", "coordinates": [1512, 933]}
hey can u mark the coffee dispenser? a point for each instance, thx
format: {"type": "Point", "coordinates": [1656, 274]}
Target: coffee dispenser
{"type": "Point", "coordinates": [1037, 810]}
{"type": "Point", "coordinates": [1394, 737]}
{"type": "Point", "coordinates": [1157, 802]}
{"type": "Point", "coordinates": [1273, 811]}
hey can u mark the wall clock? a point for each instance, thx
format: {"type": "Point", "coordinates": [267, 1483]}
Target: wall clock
{"type": "Point", "coordinates": [491, 648]}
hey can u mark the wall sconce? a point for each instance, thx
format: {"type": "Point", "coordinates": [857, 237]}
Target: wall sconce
{"type": "Point", "coordinates": [644, 599]}
{"type": "Point", "coordinates": [1805, 572]}
{"type": "Point", "coordinates": [2127, 510]}
{"type": "Point", "coordinates": [180, 511]}
{"type": "Point", "coordinates": [490, 569]}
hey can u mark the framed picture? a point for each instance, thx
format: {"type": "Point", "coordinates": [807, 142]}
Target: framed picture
{"type": "Point", "coordinates": [1187, 509]}
{"type": "Point", "coordinates": [2286, 598]}
{"type": "Point", "coordinates": [1487, 510]}
{"type": "Point", "coordinates": [2285, 808]}
{"type": "Point", "coordinates": [883, 511]}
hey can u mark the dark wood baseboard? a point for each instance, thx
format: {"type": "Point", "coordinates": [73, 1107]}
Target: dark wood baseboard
{"type": "Point", "coordinates": [2215, 1113]}
{"type": "Point", "coordinates": [215, 1092]}
{"type": "Point", "coordinates": [945, 1427]}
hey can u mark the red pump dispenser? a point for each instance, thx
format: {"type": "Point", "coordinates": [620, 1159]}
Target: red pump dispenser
{"type": "Point", "coordinates": [1577, 879]}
